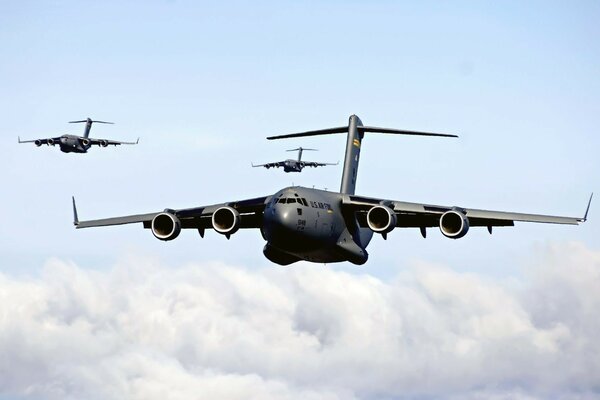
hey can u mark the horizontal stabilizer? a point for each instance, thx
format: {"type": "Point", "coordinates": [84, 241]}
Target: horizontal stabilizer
{"type": "Point", "coordinates": [303, 149]}
{"type": "Point", "coordinates": [374, 129]}
{"type": "Point", "coordinates": [362, 129]}
{"type": "Point", "coordinates": [340, 129]}
{"type": "Point", "coordinates": [89, 120]}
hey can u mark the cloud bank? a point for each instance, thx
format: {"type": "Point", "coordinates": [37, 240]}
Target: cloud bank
{"type": "Point", "coordinates": [209, 331]}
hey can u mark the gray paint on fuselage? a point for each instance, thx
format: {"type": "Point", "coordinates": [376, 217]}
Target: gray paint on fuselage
{"type": "Point", "coordinates": [73, 144]}
{"type": "Point", "coordinates": [291, 166]}
{"type": "Point", "coordinates": [317, 231]}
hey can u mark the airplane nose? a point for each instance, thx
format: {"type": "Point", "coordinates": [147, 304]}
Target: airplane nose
{"type": "Point", "coordinates": [284, 217]}
{"type": "Point", "coordinates": [282, 221]}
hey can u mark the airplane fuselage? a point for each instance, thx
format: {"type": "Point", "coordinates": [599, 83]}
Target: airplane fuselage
{"type": "Point", "coordinates": [308, 224]}
{"type": "Point", "coordinates": [73, 144]}
{"type": "Point", "coordinates": [292, 166]}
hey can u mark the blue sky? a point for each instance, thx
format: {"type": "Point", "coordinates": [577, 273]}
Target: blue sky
{"type": "Point", "coordinates": [203, 84]}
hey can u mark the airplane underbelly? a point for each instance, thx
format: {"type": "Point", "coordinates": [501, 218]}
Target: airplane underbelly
{"type": "Point", "coordinates": [309, 237]}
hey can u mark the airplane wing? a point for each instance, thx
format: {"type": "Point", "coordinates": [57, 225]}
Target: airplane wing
{"type": "Point", "coordinates": [415, 215]}
{"type": "Point", "coordinates": [40, 142]}
{"type": "Point", "coordinates": [271, 165]}
{"type": "Point", "coordinates": [315, 164]}
{"type": "Point", "coordinates": [251, 213]}
{"type": "Point", "coordinates": [107, 142]}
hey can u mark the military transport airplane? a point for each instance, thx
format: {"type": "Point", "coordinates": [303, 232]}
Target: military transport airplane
{"type": "Point", "coordinates": [78, 144]}
{"type": "Point", "coordinates": [290, 165]}
{"type": "Point", "coordinates": [300, 223]}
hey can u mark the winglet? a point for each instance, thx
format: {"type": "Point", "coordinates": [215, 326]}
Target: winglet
{"type": "Point", "coordinates": [588, 208]}
{"type": "Point", "coordinates": [137, 141]}
{"type": "Point", "coordinates": [75, 217]}
{"type": "Point", "coordinates": [19, 139]}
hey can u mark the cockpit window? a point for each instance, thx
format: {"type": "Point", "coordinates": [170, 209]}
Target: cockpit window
{"type": "Point", "coordinates": [290, 200]}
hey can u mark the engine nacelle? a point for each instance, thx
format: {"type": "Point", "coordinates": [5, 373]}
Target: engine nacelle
{"type": "Point", "coordinates": [165, 226]}
{"type": "Point", "coordinates": [226, 220]}
{"type": "Point", "coordinates": [381, 219]}
{"type": "Point", "coordinates": [454, 224]}
{"type": "Point", "coordinates": [38, 142]}
{"type": "Point", "coordinates": [85, 142]}
{"type": "Point", "coordinates": [51, 142]}
{"type": "Point", "coordinates": [104, 143]}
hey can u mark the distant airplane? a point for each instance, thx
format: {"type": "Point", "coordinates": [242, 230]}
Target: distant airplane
{"type": "Point", "coordinates": [300, 223]}
{"type": "Point", "coordinates": [290, 165]}
{"type": "Point", "coordinates": [78, 144]}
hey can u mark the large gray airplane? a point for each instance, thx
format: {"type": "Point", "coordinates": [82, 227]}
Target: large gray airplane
{"type": "Point", "coordinates": [300, 223]}
{"type": "Point", "coordinates": [78, 144]}
{"type": "Point", "coordinates": [290, 165]}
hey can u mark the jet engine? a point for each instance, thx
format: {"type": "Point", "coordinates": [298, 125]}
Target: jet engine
{"type": "Point", "coordinates": [381, 219]}
{"type": "Point", "coordinates": [38, 142]}
{"type": "Point", "coordinates": [50, 142]}
{"type": "Point", "coordinates": [104, 143]}
{"type": "Point", "coordinates": [226, 220]}
{"type": "Point", "coordinates": [166, 226]}
{"type": "Point", "coordinates": [454, 224]}
{"type": "Point", "coordinates": [85, 142]}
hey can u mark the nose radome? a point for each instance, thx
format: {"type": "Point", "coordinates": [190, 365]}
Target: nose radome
{"type": "Point", "coordinates": [284, 217]}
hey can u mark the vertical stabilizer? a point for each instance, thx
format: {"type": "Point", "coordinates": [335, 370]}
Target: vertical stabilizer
{"type": "Point", "coordinates": [356, 131]}
{"type": "Point", "coordinates": [353, 144]}
{"type": "Point", "coordinates": [88, 127]}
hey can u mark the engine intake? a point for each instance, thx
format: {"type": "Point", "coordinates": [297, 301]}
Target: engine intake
{"type": "Point", "coordinates": [38, 142]}
{"type": "Point", "coordinates": [51, 142]}
{"type": "Point", "coordinates": [166, 226]}
{"type": "Point", "coordinates": [85, 142]}
{"type": "Point", "coordinates": [454, 224]}
{"type": "Point", "coordinates": [381, 219]}
{"type": "Point", "coordinates": [104, 143]}
{"type": "Point", "coordinates": [226, 220]}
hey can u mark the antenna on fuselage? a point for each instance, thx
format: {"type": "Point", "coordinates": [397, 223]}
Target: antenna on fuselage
{"type": "Point", "coordinates": [356, 132]}
{"type": "Point", "coordinates": [88, 125]}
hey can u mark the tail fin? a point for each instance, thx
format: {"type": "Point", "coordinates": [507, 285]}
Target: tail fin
{"type": "Point", "coordinates": [88, 125]}
{"type": "Point", "coordinates": [300, 150]}
{"type": "Point", "coordinates": [356, 132]}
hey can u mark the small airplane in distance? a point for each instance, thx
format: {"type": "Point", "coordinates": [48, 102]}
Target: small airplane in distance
{"type": "Point", "coordinates": [78, 144]}
{"type": "Point", "coordinates": [290, 165]}
{"type": "Point", "coordinates": [300, 223]}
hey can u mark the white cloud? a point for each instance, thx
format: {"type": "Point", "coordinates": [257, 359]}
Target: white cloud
{"type": "Point", "coordinates": [148, 331]}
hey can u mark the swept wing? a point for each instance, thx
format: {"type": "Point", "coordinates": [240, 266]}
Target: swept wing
{"type": "Point", "coordinates": [107, 142]}
{"type": "Point", "coordinates": [417, 215]}
{"type": "Point", "coordinates": [251, 212]}
{"type": "Point", "coordinates": [314, 164]}
{"type": "Point", "coordinates": [271, 165]}
{"type": "Point", "coordinates": [41, 141]}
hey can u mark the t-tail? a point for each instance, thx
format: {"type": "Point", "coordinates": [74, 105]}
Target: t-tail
{"type": "Point", "coordinates": [356, 132]}
{"type": "Point", "coordinates": [300, 150]}
{"type": "Point", "coordinates": [88, 125]}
